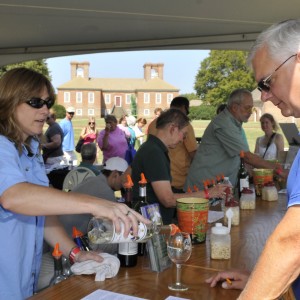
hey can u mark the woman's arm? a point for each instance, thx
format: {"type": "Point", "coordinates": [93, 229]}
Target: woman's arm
{"type": "Point", "coordinates": [34, 200]}
{"type": "Point", "coordinates": [279, 142]}
{"type": "Point", "coordinates": [83, 133]}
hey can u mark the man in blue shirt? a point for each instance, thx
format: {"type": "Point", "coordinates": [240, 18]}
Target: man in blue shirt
{"type": "Point", "coordinates": [68, 142]}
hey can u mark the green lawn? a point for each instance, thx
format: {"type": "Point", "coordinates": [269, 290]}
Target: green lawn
{"type": "Point", "coordinates": [252, 130]}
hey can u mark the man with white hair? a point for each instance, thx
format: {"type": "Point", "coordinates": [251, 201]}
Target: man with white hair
{"type": "Point", "coordinates": [275, 58]}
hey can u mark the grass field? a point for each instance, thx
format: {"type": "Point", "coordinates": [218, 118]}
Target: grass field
{"type": "Point", "coordinates": [252, 130]}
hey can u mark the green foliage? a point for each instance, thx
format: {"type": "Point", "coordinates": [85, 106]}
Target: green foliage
{"type": "Point", "coordinates": [202, 112]}
{"type": "Point", "coordinates": [133, 106]}
{"type": "Point", "coordinates": [220, 74]}
{"type": "Point", "coordinates": [37, 65]}
{"type": "Point", "coordinates": [190, 96]}
{"type": "Point", "coordinates": [60, 111]}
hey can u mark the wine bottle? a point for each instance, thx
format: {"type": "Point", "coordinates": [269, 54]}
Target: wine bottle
{"type": "Point", "coordinates": [243, 175]}
{"type": "Point", "coordinates": [58, 268]}
{"type": "Point", "coordinates": [128, 252]}
{"type": "Point", "coordinates": [102, 231]}
{"type": "Point", "coordinates": [141, 202]}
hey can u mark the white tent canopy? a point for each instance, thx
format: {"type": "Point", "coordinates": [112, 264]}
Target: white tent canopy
{"type": "Point", "coordinates": [36, 29]}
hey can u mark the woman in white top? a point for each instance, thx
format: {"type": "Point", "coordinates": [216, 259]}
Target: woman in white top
{"type": "Point", "coordinates": [269, 145]}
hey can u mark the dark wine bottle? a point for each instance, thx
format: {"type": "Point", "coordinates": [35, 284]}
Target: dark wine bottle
{"type": "Point", "coordinates": [243, 175]}
{"type": "Point", "coordinates": [142, 201]}
{"type": "Point", "coordinates": [128, 252]}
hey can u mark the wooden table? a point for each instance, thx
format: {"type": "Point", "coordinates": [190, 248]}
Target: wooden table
{"type": "Point", "coordinates": [247, 242]}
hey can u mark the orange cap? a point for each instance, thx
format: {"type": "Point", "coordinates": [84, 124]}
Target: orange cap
{"type": "Point", "coordinates": [76, 232]}
{"type": "Point", "coordinates": [56, 252]}
{"type": "Point", "coordinates": [189, 190]}
{"type": "Point", "coordinates": [195, 188]}
{"type": "Point", "coordinates": [242, 154]}
{"type": "Point", "coordinates": [143, 179]}
{"type": "Point", "coordinates": [128, 184]}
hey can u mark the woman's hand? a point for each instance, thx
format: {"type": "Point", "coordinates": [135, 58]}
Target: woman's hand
{"type": "Point", "coordinates": [218, 191]}
{"type": "Point", "coordinates": [230, 279]}
{"type": "Point", "coordinates": [88, 255]}
{"type": "Point", "coordinates": [120, 212]}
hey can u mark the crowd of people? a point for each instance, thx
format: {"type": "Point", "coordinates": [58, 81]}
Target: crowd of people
{"type": "Point", "coordinates": [167, 154]}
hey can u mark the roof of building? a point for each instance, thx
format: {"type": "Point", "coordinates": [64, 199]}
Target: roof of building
{"type": "Point", "coordinates": [118, 84]}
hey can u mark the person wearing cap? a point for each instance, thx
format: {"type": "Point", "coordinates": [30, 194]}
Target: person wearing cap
{"type": "Point", "coordinates": [88, 156]}
{"type": "Point", "coordinates": [182, 155]}
{"type": "Point", "coordinates": [68, 141]}
{"type": "Point", "coordinates": [102, 186]}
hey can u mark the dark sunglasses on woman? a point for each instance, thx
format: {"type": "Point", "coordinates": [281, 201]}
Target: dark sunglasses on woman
{"type": "Point", "coordinates": [39, 103]}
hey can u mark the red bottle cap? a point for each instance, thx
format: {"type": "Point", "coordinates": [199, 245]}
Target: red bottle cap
{"type": "Point", "coordinates": [128, 184]}
{"type": "Point", "coordinates": [76, 233]}
{"type": "Point", "coordinates": [143, 179]}
{"type": "Point", "coordinates": [56, 252]}
{"type": "Point", "coordinates": [242, 154]}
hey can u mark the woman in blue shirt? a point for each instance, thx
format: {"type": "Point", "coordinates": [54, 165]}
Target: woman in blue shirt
{"type": "Point", "coordinates": [25, 198]}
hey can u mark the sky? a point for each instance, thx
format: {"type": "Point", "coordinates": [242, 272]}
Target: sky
{"type": "Point", "coordinates": [180, 66]}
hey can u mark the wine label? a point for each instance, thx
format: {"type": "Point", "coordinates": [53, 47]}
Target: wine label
{"type": "Point", "coordinates": [128, 248]}
{"type": "Point", "coordinates": [244, 183]}
{"type": "Point", "coordinates": [119, 237]}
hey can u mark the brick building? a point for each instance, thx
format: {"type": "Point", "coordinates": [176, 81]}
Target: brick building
{"type": "Point", "coordinates": [99, 96]}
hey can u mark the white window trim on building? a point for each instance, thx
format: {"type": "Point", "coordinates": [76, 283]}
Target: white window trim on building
{"type": "Point", "coordinates": [78, 97]}
{"type": "Point", "coordinates": [107, 98]}
{"type": "Point", "coordinates": [78, 112]}
{"type": "Point", "coordinates": [118, 97]}
{"type": "Point", "coordinates": [146, 112]}
{"type": "Point", "coordinates": [169, 98]}
{"type": "Point", "coordinates": [67, 97]}
{"type": "Point", "coordinates": [128, 99]}
{"type": "Point", "coordinates": [91, 112]}
{"type": "Point", "coordinates": [91, 97]}
{"type": "Point", "coordinates": [146, 98]}
{"type": "Point", "coordinates": [158, 98]}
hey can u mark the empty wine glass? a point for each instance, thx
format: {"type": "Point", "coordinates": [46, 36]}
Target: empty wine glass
{"type": "Point", "coordinates": [179, 251]}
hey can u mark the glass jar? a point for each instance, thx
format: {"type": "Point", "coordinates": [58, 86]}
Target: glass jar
{"type": "Point", "coordinates": [247, 200]}
{"type": "Point", "coordinates": [269, 192]}
{"type": "Point", "coordinates": [234, 205]}
{"type": "Point", "coordinates": [220, 242]}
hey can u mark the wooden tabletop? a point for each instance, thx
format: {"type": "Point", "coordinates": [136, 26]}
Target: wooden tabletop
{"type": "Point", "coordinates": [247, 242]}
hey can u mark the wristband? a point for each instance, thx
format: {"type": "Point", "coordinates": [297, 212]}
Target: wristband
{"type": "Point", "coordinates": [73, 253]}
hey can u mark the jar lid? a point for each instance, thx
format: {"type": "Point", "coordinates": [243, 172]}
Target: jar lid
{"type": "Point", "coordinates": [270, 183]}
{"type": "Point", "coordinates": [220, 229]}
{"type": "Point", "coordinates": [231, 203]}
{"type": "Point", "coordinates": [247, 191]}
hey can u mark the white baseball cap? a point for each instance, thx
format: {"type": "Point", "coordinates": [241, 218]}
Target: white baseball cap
{"type": "Point", "coordinates": [116, 163]}
{"type": "Point", "coordinates": [70, 109]}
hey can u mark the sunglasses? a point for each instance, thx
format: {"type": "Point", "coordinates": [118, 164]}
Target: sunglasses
{"type": "Point", "coordinates": [264, 84]}
{"type": "Point", "coordinates": [39, 103]}
{"type": "Point", "coordinates": [91, 123]}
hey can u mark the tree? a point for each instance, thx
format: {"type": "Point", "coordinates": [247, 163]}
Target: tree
{"type": "Point", "coordinates": [190, 96]}
{"type": "Point", "coordinates": [133, 106]}
{"type": "Point", "coordinates": [36, 65]}
{"type": "Point", "coordinates": [220, 74]}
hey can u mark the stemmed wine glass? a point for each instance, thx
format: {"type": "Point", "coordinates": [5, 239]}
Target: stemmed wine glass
{"type": "Point", "coordinates": [179, 251]}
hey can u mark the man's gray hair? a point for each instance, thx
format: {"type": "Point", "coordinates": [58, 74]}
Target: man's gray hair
{"type": "Point", "coordinates": [237, 96]}
{"type": "Point", "coordinates": [281, 39]}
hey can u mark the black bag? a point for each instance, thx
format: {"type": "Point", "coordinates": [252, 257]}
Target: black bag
{"type": "Point", "coordinates": [79, 145]}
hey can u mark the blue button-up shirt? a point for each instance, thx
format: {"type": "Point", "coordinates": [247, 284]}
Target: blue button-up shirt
{"type": "Point", "coordinates": [21, 235]}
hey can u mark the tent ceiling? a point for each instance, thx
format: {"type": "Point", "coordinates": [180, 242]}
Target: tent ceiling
{"type": "Point", "coordinates": [37, 29]}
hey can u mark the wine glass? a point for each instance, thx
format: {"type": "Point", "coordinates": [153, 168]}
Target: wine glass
{"type": "Point", "coordinates": [179, 251]}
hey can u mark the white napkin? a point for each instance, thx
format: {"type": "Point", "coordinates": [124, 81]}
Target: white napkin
{"type": "Point", "coordinates": [108, 268]}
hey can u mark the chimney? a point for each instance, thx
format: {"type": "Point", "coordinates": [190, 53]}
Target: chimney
{"type": "Point", "coordinates": [153, 70]}
{"type": "Point", "coordinates": [80, 69]}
